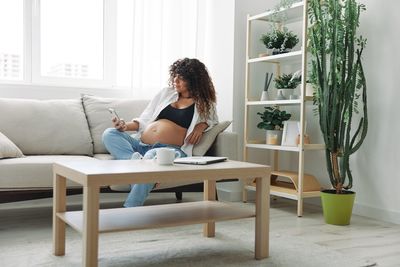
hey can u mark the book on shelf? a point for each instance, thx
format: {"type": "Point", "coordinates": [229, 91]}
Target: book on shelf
{"type": "Point", "coordinates": [291, 129]}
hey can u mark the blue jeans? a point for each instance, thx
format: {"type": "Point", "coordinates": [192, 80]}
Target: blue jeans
{"type": "Point", "coordinates": [122, 146]}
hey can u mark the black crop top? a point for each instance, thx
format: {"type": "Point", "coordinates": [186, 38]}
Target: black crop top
{"type": "Point", "coordinates": [183, 117]}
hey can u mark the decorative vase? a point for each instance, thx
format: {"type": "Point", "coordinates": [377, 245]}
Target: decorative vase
{"type": "Point", "coordinates": [337, 208]}
{"type": "Point", "coordinates": [274, 137]}
{"type": "Point", "coordinates": [264, 96]}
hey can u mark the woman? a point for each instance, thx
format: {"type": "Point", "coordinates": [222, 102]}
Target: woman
{"type": "Point", "coordinates": [176, 117]}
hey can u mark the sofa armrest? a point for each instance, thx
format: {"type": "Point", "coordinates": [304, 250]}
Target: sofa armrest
{"type": "Point", "coordinates": [226, 144]}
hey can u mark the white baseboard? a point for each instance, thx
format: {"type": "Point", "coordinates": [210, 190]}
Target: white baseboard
{"type": "Point", "coordinates": [377, 213]}
{"type": "Point", "coordinates": [367, 211]}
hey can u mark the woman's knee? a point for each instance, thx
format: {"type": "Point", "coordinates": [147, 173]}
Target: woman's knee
{"type": "Point", "coordinates": [110, 133]}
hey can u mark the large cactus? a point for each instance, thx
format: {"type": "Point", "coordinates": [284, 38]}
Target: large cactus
{"type": "Point", "coordinates": [338, 77]}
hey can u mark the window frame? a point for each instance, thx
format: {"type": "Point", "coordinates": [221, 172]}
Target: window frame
{"type": "Point", "coordinates": [32, 62]}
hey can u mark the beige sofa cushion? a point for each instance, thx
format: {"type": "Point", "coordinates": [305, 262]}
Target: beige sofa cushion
{"type": "Point", "coordinates": [99, 118]}
{"type": "Point", "coordinates": [8, 149]}
{"type": "Point", "coordinates": [208, 138]}
{"type": "Point", "coordinates": [46, 127]}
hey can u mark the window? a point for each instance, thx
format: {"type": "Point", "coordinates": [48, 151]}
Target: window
{"type": "Point", "coordinates": [71, 39]}
{"type": "Point", "coordinates": [124, 42]}
{"type": "Point", "coordinates": [160, 33]}
{"type": "Point", "coordinates": [11, 40]}
{"type": "Point", "coordinates": [92, 43]}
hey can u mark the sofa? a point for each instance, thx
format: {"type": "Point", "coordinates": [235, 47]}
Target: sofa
{"type": "Point", "coordinates": [36, 133]}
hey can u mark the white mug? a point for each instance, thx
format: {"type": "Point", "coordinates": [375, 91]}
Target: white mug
{"type": "Point", "coordinates": [166, 156]}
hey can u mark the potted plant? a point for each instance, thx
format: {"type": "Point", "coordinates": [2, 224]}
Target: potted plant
{"type": "Point", "coordinates": [286, 83]}
{"type": "Point", "coordinates": [272, 121]}
{"type": "Point", "coordinates": [280, 41]}
{"type": "Point", "coordinates": [341, 96]}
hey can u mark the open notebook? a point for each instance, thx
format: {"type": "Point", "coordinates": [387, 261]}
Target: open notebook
{"type": "Point", "coordinates": [199, 160]}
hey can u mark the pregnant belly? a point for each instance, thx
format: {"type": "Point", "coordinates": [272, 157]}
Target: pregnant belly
{"type": "Point", "coordinates": [165, 132]}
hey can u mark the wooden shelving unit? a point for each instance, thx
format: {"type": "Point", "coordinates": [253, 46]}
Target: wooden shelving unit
{"type": "Point", "coordinates": [293, 184]}
{"type": "Point", "coordinates": [289, 188]}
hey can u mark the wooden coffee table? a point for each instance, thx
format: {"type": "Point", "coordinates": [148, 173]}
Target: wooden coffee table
{"type": "Point", "coordinates": [94, 174]}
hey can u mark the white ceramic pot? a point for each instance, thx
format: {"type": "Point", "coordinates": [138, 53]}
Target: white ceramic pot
{"type": "Point", "coordinates": [284, 94]}
{"type": "Point", "coordinates": [264, 96]}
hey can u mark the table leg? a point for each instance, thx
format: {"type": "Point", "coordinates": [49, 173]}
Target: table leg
{"type": "Point", "coordinates": [262, 218]}
{"type": "Point", "coordinates": [244, 192]}
{"type": "Point", "coordinates": [90, 233]}
{"type": "Point", "coordinates": [59, 205]}
{"type": "Point", "coordinates": [209, 194]}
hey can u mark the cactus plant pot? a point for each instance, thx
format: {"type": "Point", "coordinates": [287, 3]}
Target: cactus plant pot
{"type": "Point", "coordinates": [337, 208]}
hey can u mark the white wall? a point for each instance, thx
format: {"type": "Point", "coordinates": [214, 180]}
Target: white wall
{"type": "Point", "coordinates": [375, 166]}
{"type": "Point", "coordinates": [56, 92]}
{"type": "Point", "coordinates": [376, 176]}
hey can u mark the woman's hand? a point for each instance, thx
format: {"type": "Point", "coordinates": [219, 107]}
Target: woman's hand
{"type": "Point", "coordinates": [120, 125]}
{"type": "Point", "coordinates": [195, 136]}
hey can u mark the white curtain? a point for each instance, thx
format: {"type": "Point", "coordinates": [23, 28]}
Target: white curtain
{"type": "Point", "coordinates": [163, 31]}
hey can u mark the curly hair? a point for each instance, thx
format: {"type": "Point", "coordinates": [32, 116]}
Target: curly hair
{"type": "Point", "coordinates": [200, 85]}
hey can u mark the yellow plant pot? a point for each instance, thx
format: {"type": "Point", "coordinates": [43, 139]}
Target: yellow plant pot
{"type": "Point", "coordinates": [337, 208]}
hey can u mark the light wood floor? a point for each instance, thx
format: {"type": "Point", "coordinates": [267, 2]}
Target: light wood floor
{"type": "Point", "coordinates": [371, 242]}
{"type": "Point", "coordinates": [375, 243]}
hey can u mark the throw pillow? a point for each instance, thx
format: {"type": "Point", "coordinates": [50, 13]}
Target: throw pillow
{"type": "Point", "coordinates": [46, 127]}
{"type": "Point", "coordinates": [8, 149]}
{"type": "Point", "coordinates": [209, 137]}
{"type": "Point", "coordinates": [99, 117]}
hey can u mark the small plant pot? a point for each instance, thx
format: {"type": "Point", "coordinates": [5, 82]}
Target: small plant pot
{"type": "Point", "coordinates": [276, 51]}
{"type": "Point", "coordinates": [337, 208]}
{"type": "Point", "coordinates": [284, 94]}
{"type": "Point", "coordinates": [274, 137]}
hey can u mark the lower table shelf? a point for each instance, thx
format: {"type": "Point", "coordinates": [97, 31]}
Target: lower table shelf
{"type": "Point", "coordinates": [147, 217]}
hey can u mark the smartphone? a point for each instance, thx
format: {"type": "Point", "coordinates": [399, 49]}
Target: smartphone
{"type": "Point", "coordinates": [114, 113]}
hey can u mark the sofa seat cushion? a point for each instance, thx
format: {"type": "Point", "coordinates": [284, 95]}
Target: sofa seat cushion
{"type": "Point", "coordinates": [103, 156]}
{"type": "Point", "coordinates": [99, 118]}
{"type": "Point", "coordinates": [32, 171]}
{"type": "Point", "coordinates": [46, 127]}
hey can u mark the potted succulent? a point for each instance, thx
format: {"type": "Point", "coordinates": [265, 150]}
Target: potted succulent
{"type": "Point", "coordinates": [341, 96]}
{"type": "Point", "coordinates": [286, 83]}
{"type": "Point", "coordinates": [280, 41]}
{"type": "Point", "coordinates": [272, 121]}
